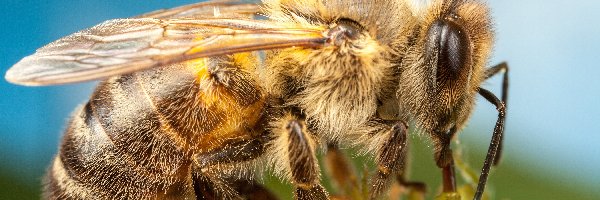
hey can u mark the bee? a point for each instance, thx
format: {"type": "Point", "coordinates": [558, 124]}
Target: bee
{"type": "Point", "coordinates": [194, 99]}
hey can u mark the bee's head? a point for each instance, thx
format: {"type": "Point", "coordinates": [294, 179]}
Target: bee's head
{"type": "Point", "coordinates": [443, 69]}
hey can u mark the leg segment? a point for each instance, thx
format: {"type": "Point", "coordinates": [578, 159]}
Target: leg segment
{"type": "Point", "coordinates": [252, 190]}
{"type": "Point", "coordinates": [205, 188]}
{"type": "Point", "coordinates": [233, 152]}
{"type": "Point", "coordinates": [417, 190]}
{"type": "Point", "coordinates": [211, 183]}
{"type": "Point", "coordinates": [494, 144]}
{"type": "Point", "coordinates": [341, 173]}
{"type": "Point", "coordinates": [303, 162]}
{"type": "Point", "coordinates": [502, 67]}
{"type": "Point", "coordinates": [390, 158]}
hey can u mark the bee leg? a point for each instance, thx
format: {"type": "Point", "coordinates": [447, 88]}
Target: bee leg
{"type": "Point", "coordinates": [495, 149]}
{"type": "Point", "coordinates": [502, 67]}
{"type": "Point", "coordinates": [416, 190]}
{"type": "Point", "coordinates": [496, 140]}
{"type": "Point", "coordinates": [210, 184]}
{"type": "Point", "coordinates": [303, 162]}
{"type": "Point", "coordinates": [390, 158]}
{"type": "Point", "coordinates": [252, 190]}
{"type": "Point", "coordinates": [340, 171]}
{"type": "Point", "coordinates": [238, 151]}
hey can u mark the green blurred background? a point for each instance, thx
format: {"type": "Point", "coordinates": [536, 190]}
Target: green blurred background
{"type": "Point", "coordinates": [552, 124]}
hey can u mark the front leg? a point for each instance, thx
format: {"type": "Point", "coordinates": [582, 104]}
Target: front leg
{"type": "Point", "coordinates": [502, 67]}
{"type": "Point", "coordinates": [390, 158]}
{"type": "Point", "coordinates": [389, 142]}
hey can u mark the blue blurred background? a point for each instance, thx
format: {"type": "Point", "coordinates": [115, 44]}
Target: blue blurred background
{"type": "Point", "coordinates": [552, 124]}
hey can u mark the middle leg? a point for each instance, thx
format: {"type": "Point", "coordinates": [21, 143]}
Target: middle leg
{"type": "Point", "coordinates": [294, 153]}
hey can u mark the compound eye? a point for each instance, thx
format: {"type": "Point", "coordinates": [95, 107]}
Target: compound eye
{"type": "Point", "coordinates": [448, 46]}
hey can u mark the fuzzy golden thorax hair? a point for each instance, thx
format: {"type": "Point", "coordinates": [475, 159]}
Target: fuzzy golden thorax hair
{"type": "Point", "coordinates": [338, 87]}
{"type": "Point", "coordinates": [442, 71]}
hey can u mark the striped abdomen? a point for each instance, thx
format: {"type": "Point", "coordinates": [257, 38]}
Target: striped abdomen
{"type": "Point", "coordinates": [136, 137]}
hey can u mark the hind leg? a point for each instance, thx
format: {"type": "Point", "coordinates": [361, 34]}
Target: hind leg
{"type": "Point", "coordinates": [211, 183]}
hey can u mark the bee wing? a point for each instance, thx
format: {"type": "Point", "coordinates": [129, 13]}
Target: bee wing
{"type": "Point", "coordinates": [123, 46]}
{"type": "Point", "coordinates": [233, 8]}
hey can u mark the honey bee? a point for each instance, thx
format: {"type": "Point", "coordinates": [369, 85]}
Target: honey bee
{"type": "Point", "coordinates": [196, 98]}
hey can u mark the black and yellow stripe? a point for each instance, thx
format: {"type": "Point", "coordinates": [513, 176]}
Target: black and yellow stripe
{"type": "Point", "coordinates": [138, 134]}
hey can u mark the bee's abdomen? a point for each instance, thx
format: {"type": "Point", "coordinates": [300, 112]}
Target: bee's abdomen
{"type": "Point", "coordinates": [116, 147]}
{"type": "Point", "coordinates": [136, 136]}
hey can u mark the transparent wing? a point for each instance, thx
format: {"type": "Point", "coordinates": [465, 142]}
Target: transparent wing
{"type": "Point", "coordinates": [229, 8]}
{"type": "Point", "coordinates": [127, 45]}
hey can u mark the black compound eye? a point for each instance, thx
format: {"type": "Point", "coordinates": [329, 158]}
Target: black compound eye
{"type": "Point", "coordinates": [449, 44]}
